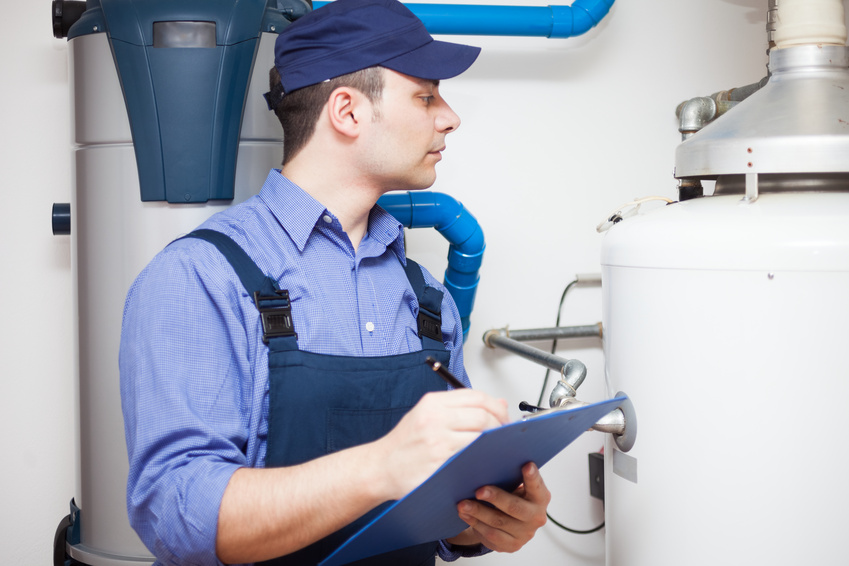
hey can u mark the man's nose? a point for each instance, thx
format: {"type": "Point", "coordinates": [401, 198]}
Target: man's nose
{"type": "Point", "coordinates": [448, 120]}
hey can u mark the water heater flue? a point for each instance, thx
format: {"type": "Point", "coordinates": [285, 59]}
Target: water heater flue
{"type": "Point", "coordinates": [797, 123]}
{"type": "Point", "coordinates": [809, 22]}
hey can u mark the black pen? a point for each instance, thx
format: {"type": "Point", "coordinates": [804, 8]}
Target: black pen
{"type": "Point", "coordinates": [444, 373]}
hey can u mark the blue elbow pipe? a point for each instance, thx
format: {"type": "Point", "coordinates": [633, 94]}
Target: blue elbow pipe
{"type": "Point", "coordinates": [425, 209]}
{"type": "Point", "coordinates": [534, 21]}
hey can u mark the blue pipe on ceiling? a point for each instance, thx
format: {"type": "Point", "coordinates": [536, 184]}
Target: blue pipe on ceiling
{"type": "Point", "coordinates": [426, 209]}
{"type": "Point", "coordinates": [534, 21]}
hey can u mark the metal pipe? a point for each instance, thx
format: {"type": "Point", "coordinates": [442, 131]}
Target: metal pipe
{"type": "Point", "coordinates": [556, 333]}
{"type": "Point", "coordinates": [613, 422]}
{"type": "Point", "coordinates": [534, 21]}
{"type": "Point", "coordinates": [696, 113]}
{"type": "Point", "coordinates": [498, 339]}
{"type": "Point", "coordinates": [572, 372]}
{"type": "Point", "coordinates": [740, 93]}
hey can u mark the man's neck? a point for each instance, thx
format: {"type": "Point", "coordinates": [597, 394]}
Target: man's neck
{"type": "Point", "coordinates": [348, 200]}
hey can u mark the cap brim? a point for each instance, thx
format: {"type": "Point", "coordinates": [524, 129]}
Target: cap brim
{"type": "Point", "coordinates": [436, 60]}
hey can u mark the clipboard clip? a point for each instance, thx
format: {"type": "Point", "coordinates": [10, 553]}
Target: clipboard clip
{"type": "Point", "coordinates": [533, 411]}
{"type": "Point", "coordinates": [526, 407]}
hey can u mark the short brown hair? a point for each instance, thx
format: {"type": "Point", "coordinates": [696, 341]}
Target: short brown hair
{"type": "Point", "coordinates": [298, 111]}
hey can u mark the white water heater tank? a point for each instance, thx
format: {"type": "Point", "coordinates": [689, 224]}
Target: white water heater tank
{"type": "Point", "coordinates": [725, 322]}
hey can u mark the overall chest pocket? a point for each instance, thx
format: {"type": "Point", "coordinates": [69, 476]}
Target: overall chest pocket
{"type": "Point", "coordinates": [351, 427]}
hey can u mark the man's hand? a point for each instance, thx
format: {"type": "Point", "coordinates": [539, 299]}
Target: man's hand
{"type": "Point", "coordinates": [269, 512]}
{"type": "Point", "coordinates": [513, 518]}
{"type": "Point", "coordinates": [434, 430]}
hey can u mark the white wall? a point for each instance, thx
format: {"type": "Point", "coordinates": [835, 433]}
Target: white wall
{"type": "Point", "coordinates": [556, 134]}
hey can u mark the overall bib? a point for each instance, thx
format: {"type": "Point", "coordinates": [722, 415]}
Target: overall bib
{"type": "Point", "coordinates": [319, 403]}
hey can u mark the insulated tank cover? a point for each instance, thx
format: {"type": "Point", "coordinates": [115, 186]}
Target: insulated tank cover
{"type": "Point", "coordinates": [184, 67]}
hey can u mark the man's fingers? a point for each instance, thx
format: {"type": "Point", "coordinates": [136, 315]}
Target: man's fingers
{"type": "Point", "coordinates": [511, 519]}
{"type": "Point", "coordinates": [534, 488]}
{"type": "Point", "coordinates": [493, 528]}
{"type": "Point", "coordinates": [470, 399]}
{"type": "Point", "coordinates": [508, 504]}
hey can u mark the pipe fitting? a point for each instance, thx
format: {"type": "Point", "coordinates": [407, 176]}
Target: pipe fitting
{"type": "Point", "coordinates": [572, 375]}
{"type": "Point", "coordinates": [489, 334]}
{"type": "Point", "coordinates": [621, 422]}
{"type": "Point", "coordinates": [561, 395]}
{"type": "Point", "coordinates": [613, 423]}
{"type": "Point", "coordinates": [694, 114]}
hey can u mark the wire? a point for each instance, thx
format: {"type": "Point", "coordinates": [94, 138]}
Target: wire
{"type": "Point", "coordinates": [554, 342]}
{"type": "Point", "coordinates": [621, 213]}
{"type": "Point", "coordinates": [542, 394]}
{"type": "Point", "coordinates": [565, 528]}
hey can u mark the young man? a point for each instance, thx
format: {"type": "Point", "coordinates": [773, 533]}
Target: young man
{"type": "Point", "coordinates": [272, 365]}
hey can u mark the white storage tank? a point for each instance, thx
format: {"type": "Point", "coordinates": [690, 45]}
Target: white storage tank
{"type": "Point", "coordinates": [726, 321]}
{"type": "Point", "coordinates": [114, 235]}
{"type": "Point", "coordinates": [726, 324]}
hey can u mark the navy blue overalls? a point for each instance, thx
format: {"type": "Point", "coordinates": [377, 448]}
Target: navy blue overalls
{"type": "Point", "coordinates": [319, 404]}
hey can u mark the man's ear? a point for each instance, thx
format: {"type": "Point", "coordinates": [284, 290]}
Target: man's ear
{"type": "Point", "coordinates": [347, 108]}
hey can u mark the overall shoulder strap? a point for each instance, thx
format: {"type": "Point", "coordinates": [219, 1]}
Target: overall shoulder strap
{"type": "Point", "coordinates": [273, 304]}
{"type": "Point", "coordinates": [251, 276]}
{"type": "Point", "coordinates": [430, 307]}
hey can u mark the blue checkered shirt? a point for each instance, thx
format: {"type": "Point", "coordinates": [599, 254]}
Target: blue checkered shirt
{"type": "Point", "coordinates": [194, 370]}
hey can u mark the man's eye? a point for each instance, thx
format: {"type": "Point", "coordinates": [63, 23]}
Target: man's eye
{"type": "Point", "coordinates": [427, 99]}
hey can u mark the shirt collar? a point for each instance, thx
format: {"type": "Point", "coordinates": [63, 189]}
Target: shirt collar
{"type": "Point", "coordinates": [298, 213]}
{"type": "Point", "coordinates": [385, 229]}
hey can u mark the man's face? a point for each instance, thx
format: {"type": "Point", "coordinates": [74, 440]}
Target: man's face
{"type": "Point", "coordinates": [407, 135]}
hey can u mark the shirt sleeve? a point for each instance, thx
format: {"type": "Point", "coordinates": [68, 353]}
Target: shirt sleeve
{"type": "Point", "coordinates": [449, 553]}
{"type": "Point", "coordinates": [184, 402]}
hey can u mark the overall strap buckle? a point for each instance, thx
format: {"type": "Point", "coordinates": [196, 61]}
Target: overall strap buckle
{"type": "Point", "coordinates": [275, 312]}
{"type": "Point", "coordinates": [430, 325]}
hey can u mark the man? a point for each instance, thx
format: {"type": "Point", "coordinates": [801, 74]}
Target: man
{"type": "Point", "coordinates": [272, 365]}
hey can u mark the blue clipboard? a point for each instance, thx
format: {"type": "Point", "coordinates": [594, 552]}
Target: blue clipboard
{"type": "Point", "coordinates": [429, 512]}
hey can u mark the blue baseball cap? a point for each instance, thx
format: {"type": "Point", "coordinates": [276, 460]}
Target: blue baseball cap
{"type": "Point", "coordinates": [349, 35]}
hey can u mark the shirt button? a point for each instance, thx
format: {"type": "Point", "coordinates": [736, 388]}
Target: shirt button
{"type": "Point", "coordinates": [327, 218]}
{"type": "Point", "coordinates": [370, 326]}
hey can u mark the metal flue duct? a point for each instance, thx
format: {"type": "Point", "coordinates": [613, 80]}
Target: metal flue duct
{"type": "Point", "coordinates": [795, 128]}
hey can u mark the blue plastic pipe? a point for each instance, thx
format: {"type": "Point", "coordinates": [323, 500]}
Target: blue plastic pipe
{"type": "Point", "coordinates": [535, 21]}
{"type": "Point", "coordinates": [425, 209]}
